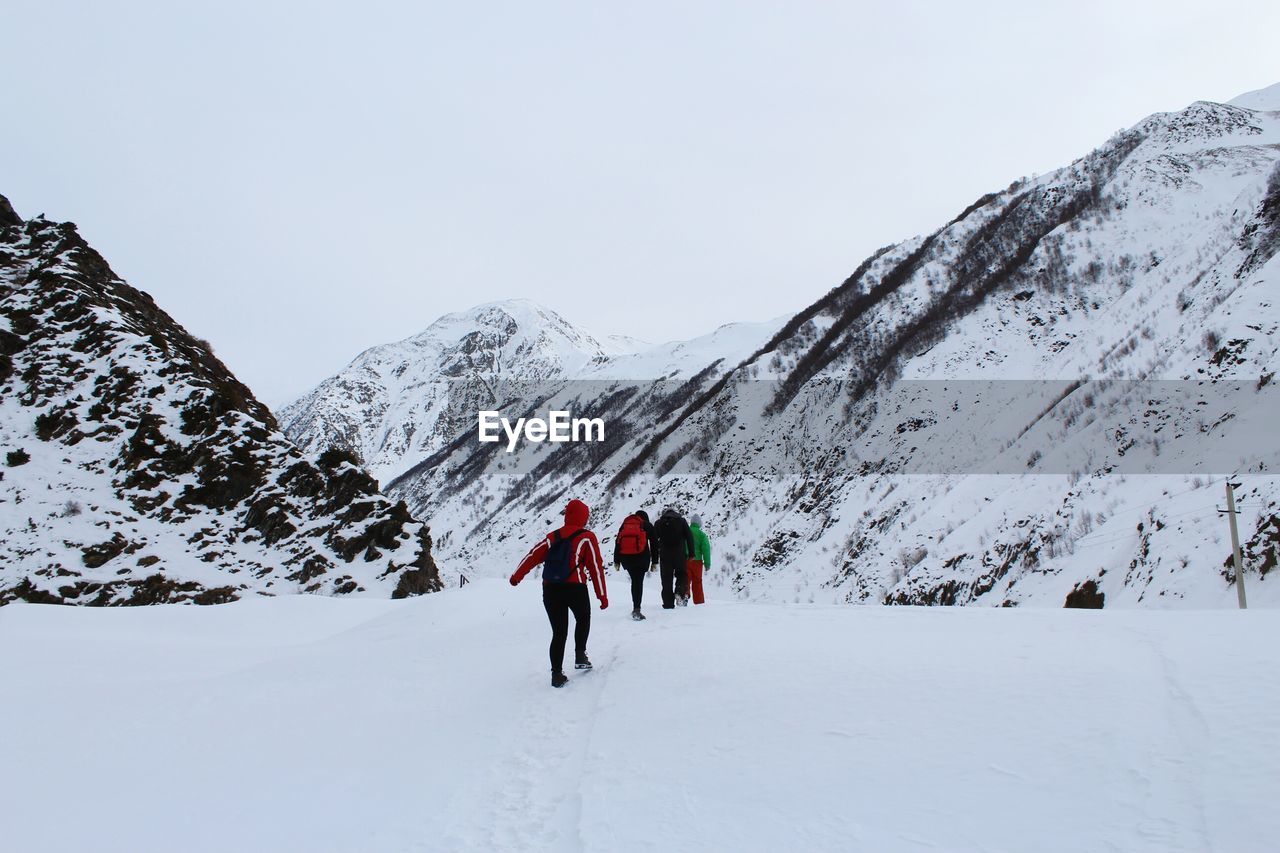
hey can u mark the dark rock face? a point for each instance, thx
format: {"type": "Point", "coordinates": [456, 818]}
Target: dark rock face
{"type": "Point", "coordinates": [189, 490]}
{"type": "Point", "coordinates": [8, 216]}
{"type": "Point", "coordinates": [1086, 596]}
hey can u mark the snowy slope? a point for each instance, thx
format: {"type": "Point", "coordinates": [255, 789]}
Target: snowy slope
{"type": "Point", "coordinates": [676, 360]}
{"type": "Point", "coordinates": [311, 724]}
{"type": "Point", "coordinates": [1267, 99]}
{"type": "Point", "coordinates": [139, 470]}
{"type": "Point", "coordinates": [1043, 396]}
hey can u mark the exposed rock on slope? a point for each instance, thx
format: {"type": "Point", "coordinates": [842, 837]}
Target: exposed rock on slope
{"type": "Point", "coordinates": [140, 470]}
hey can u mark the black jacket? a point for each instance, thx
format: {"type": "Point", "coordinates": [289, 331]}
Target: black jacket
{"type": "Point", "coordinates": [673, 538]}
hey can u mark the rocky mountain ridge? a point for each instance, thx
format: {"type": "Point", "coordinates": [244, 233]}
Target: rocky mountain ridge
{"type": "Point", "coordinates": [139, 470]}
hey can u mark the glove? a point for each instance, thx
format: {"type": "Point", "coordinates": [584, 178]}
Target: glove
{"type": "Point", "coordinates": [604, 603]}
{"type": "Point", "coordinates": [514, 581]}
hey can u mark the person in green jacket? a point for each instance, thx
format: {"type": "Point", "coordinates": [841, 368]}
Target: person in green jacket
{"type": "Point", "coordinates": [700, 560]}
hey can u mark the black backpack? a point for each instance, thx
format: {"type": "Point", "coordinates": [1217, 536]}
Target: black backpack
{"type": "Point", "coordinates": [671, 540]}
{"type": "Point", "coordinates": [557, 566]}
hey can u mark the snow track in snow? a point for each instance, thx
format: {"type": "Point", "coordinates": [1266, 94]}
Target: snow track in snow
{"type": "Point", "coordinates": [528, 798]}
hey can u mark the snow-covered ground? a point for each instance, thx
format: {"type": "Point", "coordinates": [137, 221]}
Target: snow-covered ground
{"type": "Point", "coordinates": [308, 723]}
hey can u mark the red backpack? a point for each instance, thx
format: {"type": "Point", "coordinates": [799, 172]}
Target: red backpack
{"type": "Point", "coordinates": [632, 539]}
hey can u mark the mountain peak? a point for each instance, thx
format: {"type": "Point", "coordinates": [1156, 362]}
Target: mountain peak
{"type": "Point", "coordinates": [517, 308]}
{"type": "Point", "coordinates": [527, 318]}
{"type": "Point", "coordinates": [513, 315]}
{"type": "Point", "coordinates": [8, 216]}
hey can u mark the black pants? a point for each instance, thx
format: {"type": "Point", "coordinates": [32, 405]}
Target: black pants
{"type": "Point", "coordinates": [675, 578]}
{"type": "Point", "coordinates": [637, 586]}
{"type": "Point", "coordinates": [636, 566]}
{"type": "Point", "coordinates": [559, 599]}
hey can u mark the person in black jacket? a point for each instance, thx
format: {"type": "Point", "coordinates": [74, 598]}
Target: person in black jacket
{"type": "Point", "coordinates": [633, 550]}
{"type": "Point", "coordinates": [674, 543]}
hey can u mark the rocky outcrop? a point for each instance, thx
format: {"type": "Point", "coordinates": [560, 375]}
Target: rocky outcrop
{"type": "Point", "coordinates": [153, 474]}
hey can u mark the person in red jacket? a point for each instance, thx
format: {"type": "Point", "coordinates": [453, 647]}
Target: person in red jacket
{"type": "Point", "coordinates": [568, 555]}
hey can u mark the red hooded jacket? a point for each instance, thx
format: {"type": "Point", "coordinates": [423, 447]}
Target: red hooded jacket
{"type": "Point", "coordinates": [586, 560]}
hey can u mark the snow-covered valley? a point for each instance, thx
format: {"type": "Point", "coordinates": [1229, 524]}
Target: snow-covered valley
{"type": "Point", "coordinates": [319, 724]}
{"type": "Point", "coordinates": [918, 365]}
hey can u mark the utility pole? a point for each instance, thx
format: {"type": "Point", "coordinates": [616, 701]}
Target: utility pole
{"type": "Point", "coordinates": [1235, 543]}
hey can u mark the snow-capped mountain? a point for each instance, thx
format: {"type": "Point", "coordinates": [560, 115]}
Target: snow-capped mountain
{"type": "Point", "coordinates": [1036, 403]}
{"type": "Point", "coordinates": [139, 470]}
{"type": "Point", "coordinates": [406, 399]}
{"type": "Point", "coordinates": [400, 403]}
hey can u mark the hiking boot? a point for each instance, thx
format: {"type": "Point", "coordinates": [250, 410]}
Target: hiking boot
{"type": "Point", "coordinates": [559, 679]}
{"type": "Point", "coordinates": [684, 601]}
{"type": "Point", "coordinates": [637, 615]}
{"type": "Point", "coordinates": [581, 662]}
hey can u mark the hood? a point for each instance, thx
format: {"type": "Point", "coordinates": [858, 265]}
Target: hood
{"type": "Point", "coordinates": [576, 514]}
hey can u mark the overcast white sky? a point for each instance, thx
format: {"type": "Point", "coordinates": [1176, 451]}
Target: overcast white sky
{"type": "Point", "coordinates": [299, 181]}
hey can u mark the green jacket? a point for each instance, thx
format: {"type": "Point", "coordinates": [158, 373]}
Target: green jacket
{"type": "Point", "coordinates": [701, 546]}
